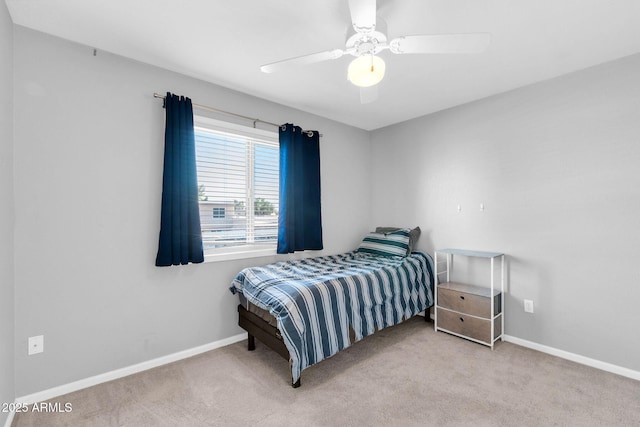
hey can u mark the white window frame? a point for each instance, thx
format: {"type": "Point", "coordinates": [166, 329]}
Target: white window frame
{"type": "Point", "coordinates": [244, 251]}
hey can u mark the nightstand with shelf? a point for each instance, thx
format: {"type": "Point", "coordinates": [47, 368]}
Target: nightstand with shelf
{"type": "Point", "coordinates": [467, 310]}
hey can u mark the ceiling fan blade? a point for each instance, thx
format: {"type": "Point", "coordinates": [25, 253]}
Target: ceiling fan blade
{"type": "Point", "coordinates": [302, 60]}
{"type": "Point", "coordinates": [363, 15]}
{"type": "Point", "coordinates": [441, 43]}
{"type": "Point", "coordinates": [368, 94]}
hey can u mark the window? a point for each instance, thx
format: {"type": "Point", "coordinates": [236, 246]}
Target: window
{"type": "Point", "coordinates": [219, 212]}
{"type": "Point", "coordinates": [238, 181]}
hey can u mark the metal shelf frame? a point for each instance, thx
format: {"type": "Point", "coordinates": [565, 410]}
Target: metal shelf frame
{"type": "Point", "coordinates": [448, 261]}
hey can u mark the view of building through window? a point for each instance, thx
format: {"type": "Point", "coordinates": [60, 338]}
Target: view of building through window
{"type": "Point", "coordinates": [238, 186]}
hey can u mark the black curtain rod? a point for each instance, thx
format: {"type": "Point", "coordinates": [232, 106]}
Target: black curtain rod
{"type": "Point", "coordinates": [216, 110]}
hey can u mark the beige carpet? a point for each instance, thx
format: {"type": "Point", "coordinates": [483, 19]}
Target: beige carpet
{"type": "Point", "coordinates": [404, 376]}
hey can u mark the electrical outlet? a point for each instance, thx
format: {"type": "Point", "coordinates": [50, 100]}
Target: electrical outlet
{"type": "Point", "coordinates": [528, 306]}
{"type": "Point", "coordinates": [36, 344]}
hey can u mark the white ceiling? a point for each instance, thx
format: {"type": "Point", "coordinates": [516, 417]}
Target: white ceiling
{"type": "Point", "coordinates": [225, 42]}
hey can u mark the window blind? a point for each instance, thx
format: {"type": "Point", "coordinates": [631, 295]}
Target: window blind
{"type": "Point", "coordinates": [238, 180]}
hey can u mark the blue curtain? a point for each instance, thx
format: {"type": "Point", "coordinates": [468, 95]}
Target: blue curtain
{"type": "Point", "coordinates": [180, 234]}
{"type": "Point", "coordinates": [299, 221]}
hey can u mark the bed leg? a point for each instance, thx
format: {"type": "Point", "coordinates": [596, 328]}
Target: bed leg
{"type": "Point", "coordinates": [427, 315]}
{"type": "Point", "coordinates": [296, 384]}
{"type": "Point", "coordinates": [251, 343]}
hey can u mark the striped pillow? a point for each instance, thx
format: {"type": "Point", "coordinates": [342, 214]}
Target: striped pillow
{"type": "Point", "coordinates": [387, 244]}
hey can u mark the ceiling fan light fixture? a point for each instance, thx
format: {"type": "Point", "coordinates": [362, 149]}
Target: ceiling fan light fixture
{"type": "Point", "coordinates": [366, 70]}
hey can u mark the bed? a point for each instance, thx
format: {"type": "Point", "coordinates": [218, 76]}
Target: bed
{"type": "Point", "coordinates": [309, 309]}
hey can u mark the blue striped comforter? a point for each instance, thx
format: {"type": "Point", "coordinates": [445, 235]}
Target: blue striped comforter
{"type": "Point", "coordinates": [317, 300]}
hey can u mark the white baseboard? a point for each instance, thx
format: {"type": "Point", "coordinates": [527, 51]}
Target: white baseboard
{"type": "Point", "coordinates": [9, 420]}
{"type": "Point", "coordinates": [619, 370]}
{"type": "Point", "coordinates": [123, 372]}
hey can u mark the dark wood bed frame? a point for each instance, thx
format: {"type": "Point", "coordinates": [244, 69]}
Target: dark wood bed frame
{"type": "Point", "coordinates": [257, 327]}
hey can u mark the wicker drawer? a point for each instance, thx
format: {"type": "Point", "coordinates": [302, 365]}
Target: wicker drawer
{"type": "Point", "coordinates": [469, 326]}
{"type": "Point", "coordinates": [468, 299]}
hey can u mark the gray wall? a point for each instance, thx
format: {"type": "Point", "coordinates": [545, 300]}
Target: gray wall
{"type": "Point", "coordinates": [88, 170]}
{"type": "Point", "coordinates": [6, 211]}
{"type": "Point", "coordinates": [557, 166]}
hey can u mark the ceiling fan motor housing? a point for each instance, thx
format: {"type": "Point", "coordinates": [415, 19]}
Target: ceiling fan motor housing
{"type": "Point", "coordinates": [367, 41]}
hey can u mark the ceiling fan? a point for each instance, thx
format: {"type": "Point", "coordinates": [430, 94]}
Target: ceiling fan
{"type": "Point", "coordinates": [367, 38]}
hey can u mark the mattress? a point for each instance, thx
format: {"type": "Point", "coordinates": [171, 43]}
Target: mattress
{"type": "Point", "coordinates": [260, 312]}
